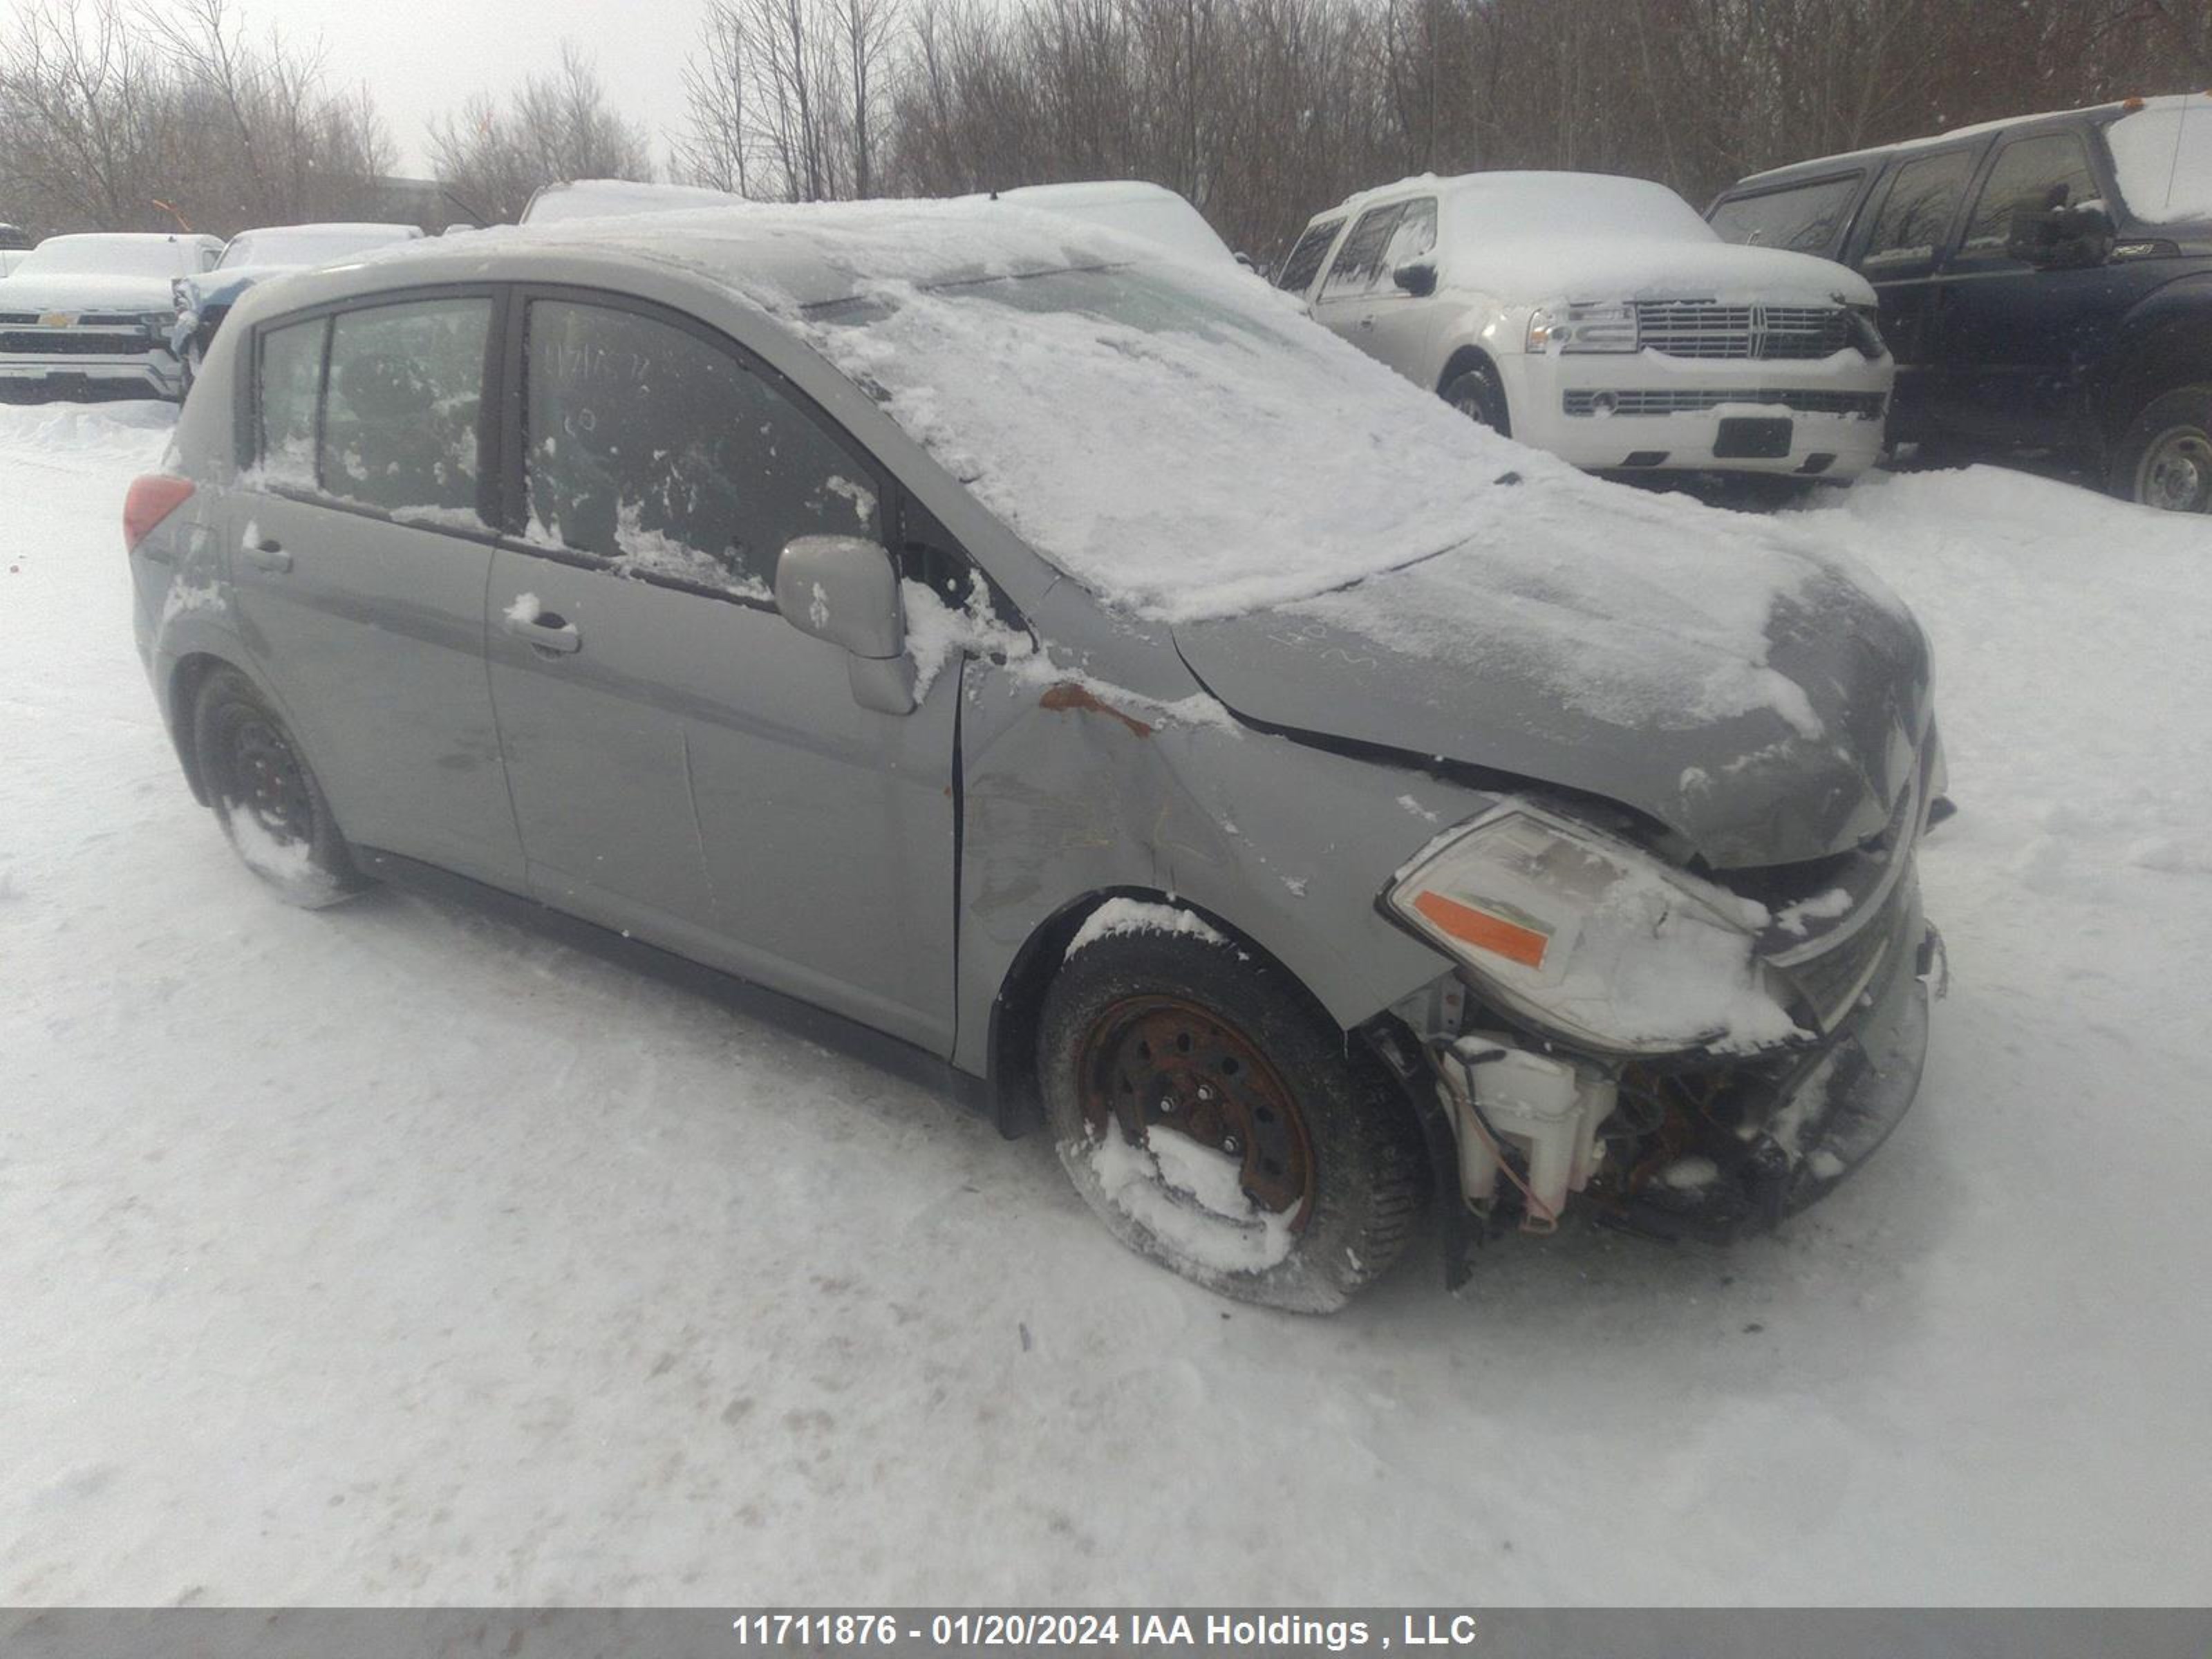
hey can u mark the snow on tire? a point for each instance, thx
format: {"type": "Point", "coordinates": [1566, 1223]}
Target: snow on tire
{"type": "Point", "coordinates": [1217, 1121]}
{"type": "Point", "coordinates": [265, 796]}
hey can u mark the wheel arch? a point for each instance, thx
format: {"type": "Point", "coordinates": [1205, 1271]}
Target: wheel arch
{"type": "Point", "coordinates": [1467, 357]}
{"type": "Point", "coordinates": [2163, 344]}
{"type": "Point", "coordinates": [1016, 1009]}
{"type": "Point", "coordinates": [186, 678]}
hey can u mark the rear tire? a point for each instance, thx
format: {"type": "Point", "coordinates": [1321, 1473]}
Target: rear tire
{"type": "Point", "coordinates": [1218, 1123]}
{"type": "Point", "coordinates": [266, 797]}
{"type": "Point", "coordinates": [2164, 458]}
{"type": "Point", "coordinates": [1477, 393]}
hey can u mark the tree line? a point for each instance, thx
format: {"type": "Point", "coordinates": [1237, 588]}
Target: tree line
{"type": "Point", "coordinates": [1261, 112]}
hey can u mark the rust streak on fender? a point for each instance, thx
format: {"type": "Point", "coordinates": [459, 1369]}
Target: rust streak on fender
{"type": "Point", "coordinates": [1067, 696]}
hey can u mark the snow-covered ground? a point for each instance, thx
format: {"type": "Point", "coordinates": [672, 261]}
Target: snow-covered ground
{"type": "Point", "coordinates": [389, 1254]}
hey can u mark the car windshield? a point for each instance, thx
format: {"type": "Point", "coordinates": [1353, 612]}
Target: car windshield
{"type": "Point", "coordinates": [110, 256]}
{"type": "Point", "coordinates": [306, 244]}
{"type": "Point", "coordinates": [1183, 443]}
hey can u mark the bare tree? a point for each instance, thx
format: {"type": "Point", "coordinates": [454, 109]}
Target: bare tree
{"type": "Point", "coordinates": [116, 118]}
{"type": "Point", "coordinates": [554, 127]}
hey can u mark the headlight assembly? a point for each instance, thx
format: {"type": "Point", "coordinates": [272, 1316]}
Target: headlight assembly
{"type": "Point", "coordinates": [1592, 939]}
{"type": "Point", "coordinates": [1583, 327]}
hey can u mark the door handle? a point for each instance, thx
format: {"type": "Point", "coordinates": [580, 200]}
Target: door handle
{"type": "Point", "coordinates": [546, 632]}
{"type": "Point", "coordinates": [268, 554]}
{"type": "Point", "coordinates": [1367, 322]}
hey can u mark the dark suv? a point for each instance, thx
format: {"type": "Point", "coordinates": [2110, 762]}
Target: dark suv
{"type": "Point", "coordinates": [2046, 283]}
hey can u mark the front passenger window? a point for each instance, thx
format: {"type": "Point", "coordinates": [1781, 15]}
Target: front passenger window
{"type": "Point", "coordinates": [1359, 264]}
{"type": "Point", "coordinates": [651, 448]}
{"type": "Point", "coordinates": [2032, 175]}
{"type": "Point", "coordinates": [399, 411]}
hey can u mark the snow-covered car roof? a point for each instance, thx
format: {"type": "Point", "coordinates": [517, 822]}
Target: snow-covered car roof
{"type": "Point", "coordinates": [603, 198]}
{"type": "Point", "coordinates": [119, 253]}
{"type": "Point", "coordinates": [271, 247]}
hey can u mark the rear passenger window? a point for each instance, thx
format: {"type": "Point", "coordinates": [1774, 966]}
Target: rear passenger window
{"type": "Point", "coordinates": [1304, 262]}
{"type": "Point", "coordinates": [291, 382]}
{"type": "Point", "coordinates": [1918, 211]}
{"type": "Point", "coordinates": [1360, 265]}
{"type": "Point", "coordinates": [399, 418]}
{"type": "Point", "coordinates": [649, 447]}
{"type": "Point", "coordinates": [1805, 219]}
{"type": "Point", "coordinates": [2033, 175]}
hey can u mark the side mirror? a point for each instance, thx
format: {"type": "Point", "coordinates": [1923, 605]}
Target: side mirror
{"type": "Point", "coordinates": [2061, 238]}
{"type": "Point", "coordinates": [1417, 278]}
{"type": "Point", "coordinates": [845, 589]}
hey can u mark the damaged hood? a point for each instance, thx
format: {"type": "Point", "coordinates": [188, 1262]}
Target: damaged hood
{"type": "Point", "coordinates": [1756, 696]}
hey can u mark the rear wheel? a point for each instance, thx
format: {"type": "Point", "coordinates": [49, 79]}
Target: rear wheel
{"type": "Point", "coordinates": [1214, 1120]}
{"type": "Point", "coordinates": [266, 797]}
{"type": "Point", "coordinates": [1477, 393]}
{"type": "Point", "coordinates": [2164, 460]}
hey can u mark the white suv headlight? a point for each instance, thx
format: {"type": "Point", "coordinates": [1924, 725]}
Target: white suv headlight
{"type": "Point", "coordinates": [1583, 327]}
{"type": "Point", "coordinates": [1593, 940]}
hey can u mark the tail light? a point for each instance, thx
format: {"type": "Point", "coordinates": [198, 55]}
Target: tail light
{"type": "Point", "coordinates": [151, 499]}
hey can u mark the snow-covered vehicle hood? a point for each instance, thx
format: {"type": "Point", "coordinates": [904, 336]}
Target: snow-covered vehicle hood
{"type": "Point", "coordinates": [1538, 271]}
{"type": "Point", "coordinates": [61, 290]}
{"type": "Point", "coordinates": [1762, 702]}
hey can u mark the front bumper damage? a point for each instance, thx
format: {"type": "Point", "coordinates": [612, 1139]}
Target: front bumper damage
{"type": "Point", "coordinates": [1787, 1138]}
{"type": "Point", "coordinates": [1712, 1152]}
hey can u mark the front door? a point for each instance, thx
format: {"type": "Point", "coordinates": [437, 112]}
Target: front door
{"type": "Point", "coordinates": [1901, 255]}
{"type": "Point", "coordinates": [686, 764]}
{"type": "Point", "coordinates": [359, 556]}
{"type": "Point", "coordinates": [2008, 339]}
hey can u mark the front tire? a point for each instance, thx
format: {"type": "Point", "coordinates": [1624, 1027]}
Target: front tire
{"type": "Point", "coordinates": [2164, 459]}
{"type": "Point", "coordinates": [1477, 393]}
{"type": "Point", "coordinates": [1217, 1121]}
{"type": "Point", "coordinates": [266, 797]}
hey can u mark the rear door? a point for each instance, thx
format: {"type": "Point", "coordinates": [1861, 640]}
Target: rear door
{"type": "Point", "coordinates": [2009, 340]}
{"type": "Point", "coordinates": [359, 548]}
{"type": "Point", "coordinates": [686, 764]}
{"type": "Point", "coordinates": [1900, 253]}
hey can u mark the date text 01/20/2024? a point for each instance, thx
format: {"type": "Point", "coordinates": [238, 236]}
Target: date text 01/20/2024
{"type": "Point", "coordinates": [1076, 1630]}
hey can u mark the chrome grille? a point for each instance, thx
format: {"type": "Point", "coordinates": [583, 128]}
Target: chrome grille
{"type": "Point", "coordinates": [71, 342]}
{"type": "Point", "coordinates": [1867, 405]}
{"type": "Point", "coordinates": [1699, 328]}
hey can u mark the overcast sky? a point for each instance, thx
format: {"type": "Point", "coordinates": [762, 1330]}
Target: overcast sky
{"type": "Point", "coordinates": [420, 60]}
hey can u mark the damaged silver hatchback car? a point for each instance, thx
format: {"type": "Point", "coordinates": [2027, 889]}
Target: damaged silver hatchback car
{"type": "Point", "coordinates": [1080, 678]}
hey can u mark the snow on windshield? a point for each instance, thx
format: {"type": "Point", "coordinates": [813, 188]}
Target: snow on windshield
{"type": "Point", "coordinates": [112, 256]}
{"type": "Point", "coordinates": [1187, 445]}
{"type": "Point", "coordinates": [2164, 157]}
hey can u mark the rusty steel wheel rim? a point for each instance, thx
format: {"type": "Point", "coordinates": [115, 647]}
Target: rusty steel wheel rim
{"type": "Point", "coordinates": [1170, 1061]}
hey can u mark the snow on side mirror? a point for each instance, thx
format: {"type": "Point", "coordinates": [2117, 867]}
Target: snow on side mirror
{"type": "Point", "coordinates": [845, 589]}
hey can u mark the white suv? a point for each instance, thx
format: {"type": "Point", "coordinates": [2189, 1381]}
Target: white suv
{"type": "Point", "coordinates": [1601, 319]}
